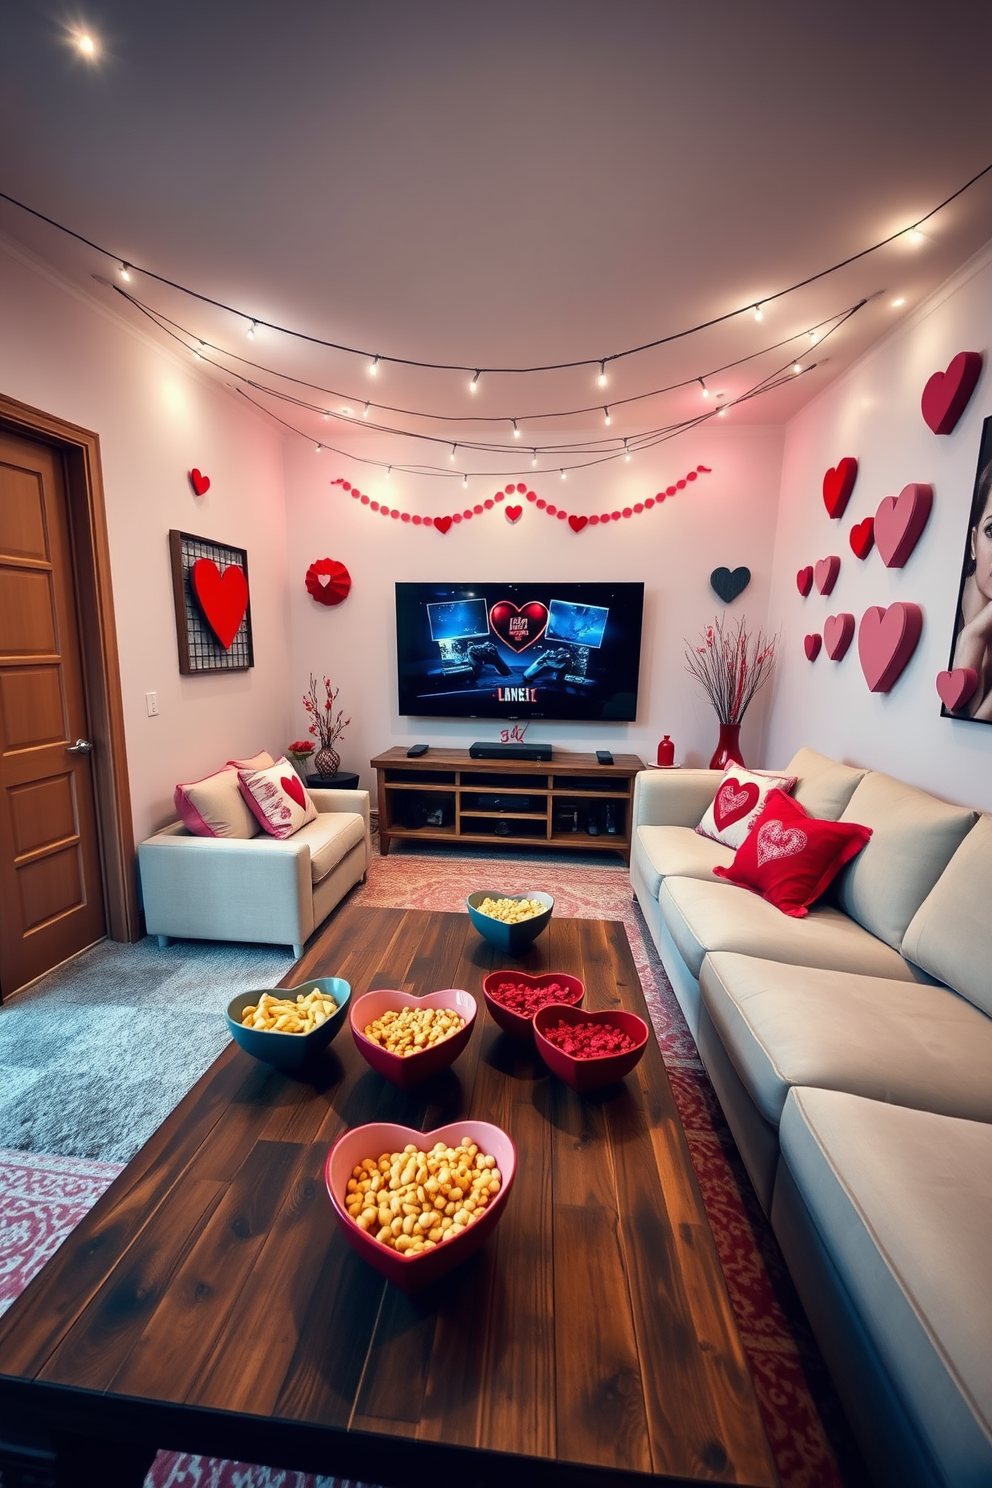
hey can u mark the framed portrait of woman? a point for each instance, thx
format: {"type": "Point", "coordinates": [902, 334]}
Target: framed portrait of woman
{"type": "Point", "coordinates": [971, 649]}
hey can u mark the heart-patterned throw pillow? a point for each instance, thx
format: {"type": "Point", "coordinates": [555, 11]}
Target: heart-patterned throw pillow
{"type": "Point", "coordinates": [277, 798]}
{"type": "Point", "coordinates": [790, 857]}
{"type": "Point", "coordinates": [738, 801]}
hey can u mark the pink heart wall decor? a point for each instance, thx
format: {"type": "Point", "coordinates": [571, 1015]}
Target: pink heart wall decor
{"type": "Point", "coordinates": [838, 483]}
{"type": "Point", "coordinates": [804, 580]}
{"type": "Point", "coordinates": [838, 633]}
{"type": "Point", "coordinates": [863, 537]}
{"type": "Point", "coordinates": [886, 641]}
{"type": "Point", "coordinates": [223, 598]}
{"type": "Point", "coordinates": [946, 394]}
{"type": "Point", "coordinates": [811, 645]}
{"type": "Point", "coordinates": [513, 513]}
{"type": "Point", "coordinates": [899, 522]}
{"type": "Point", "coordinates": [577, 523]}
{"type": "Point", "coordinates": [955, 688]}
{"type": "Point", "coordinates": [199, 482]}
{"type": "Point", "coordinates": [442, 524]}
{"type": "Point", "coordinates": [825, 573]}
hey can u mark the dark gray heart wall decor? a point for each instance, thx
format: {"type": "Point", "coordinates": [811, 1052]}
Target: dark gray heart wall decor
{"type": "Point", "coordinates": [727, 585]}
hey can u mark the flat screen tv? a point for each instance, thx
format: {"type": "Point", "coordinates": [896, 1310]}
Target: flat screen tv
{"type": "Point", "coordinates": [519, 651]}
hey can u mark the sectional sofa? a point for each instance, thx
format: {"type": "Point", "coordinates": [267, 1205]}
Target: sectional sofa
{"type": "Point", "coordinates": [852, 1054]}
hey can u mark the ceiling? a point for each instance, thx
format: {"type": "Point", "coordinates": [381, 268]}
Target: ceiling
{"type": "Point", "coordinates": [504, 185]}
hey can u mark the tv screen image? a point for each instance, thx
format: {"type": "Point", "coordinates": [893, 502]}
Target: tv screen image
{"type": "Point", "coordinates": [519, 651]}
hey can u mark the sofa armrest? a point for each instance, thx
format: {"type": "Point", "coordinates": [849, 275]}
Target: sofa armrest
{"type": "Point", "coordinates": [673, 798]}
{"type": "Point", "coordinates": [354, 801]}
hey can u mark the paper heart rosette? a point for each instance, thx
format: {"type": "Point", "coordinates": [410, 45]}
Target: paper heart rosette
{"type": "Point", "coordinates": [328, 581]}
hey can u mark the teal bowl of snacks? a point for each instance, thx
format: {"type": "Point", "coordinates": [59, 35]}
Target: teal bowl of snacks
{"type": "Point", "coordinates": [287, 1027]}
{"type": "Point", "coordinates": [510, 922]}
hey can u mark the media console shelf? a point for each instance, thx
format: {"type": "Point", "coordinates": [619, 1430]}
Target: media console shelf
{"type": "Point", "coordinates": [445, 796]}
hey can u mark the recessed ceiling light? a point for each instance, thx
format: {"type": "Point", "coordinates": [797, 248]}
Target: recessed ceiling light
{"type": "Point", "coordinates": [85, 45]}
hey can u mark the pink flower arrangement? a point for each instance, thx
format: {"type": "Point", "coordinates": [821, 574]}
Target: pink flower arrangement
{"type": "Point", "coordinates": [731, 664]}
{"type": "Point", "coordinates": [325, 725]}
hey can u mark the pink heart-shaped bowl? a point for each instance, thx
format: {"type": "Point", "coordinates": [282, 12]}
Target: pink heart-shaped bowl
{"type": "Point", "coordinates": [521, 1025]}
{"type": "Point", "coordinates": [585, 1075]}
{"type": "Point", "coordinates": [411, 1070]}
{"type": "Point", "coordinates": [410, 1273]}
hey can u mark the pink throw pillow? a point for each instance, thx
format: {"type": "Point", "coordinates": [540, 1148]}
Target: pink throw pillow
{"type": "Point", "coordinates": [214, 807]}
{"type": "Point", "coordinates": [739, 800]}
{"type": "Point", "coordinates": [278, 798]}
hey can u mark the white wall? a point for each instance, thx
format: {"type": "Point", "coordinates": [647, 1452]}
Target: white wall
{"type": "Point", "coordinates": [726, 518]}
{"type": "Point", "coordinates": [156, 419]}
{"type": "Point", "coordinates": [873, 413]}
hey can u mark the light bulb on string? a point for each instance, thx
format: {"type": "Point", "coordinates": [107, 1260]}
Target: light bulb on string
{"type": "Point", "coordinates": [516, 431]}
{"type": "Point", "coordinates": [722, 412]}
{"type": "Point", "coordinates": [606, 415]}
{"type": "Point", "coordinates": [374, 367]}
{"type": "Point", "coordinates": [317, 448]}
{"type": "Point", "coordinates": [326, 415]}
{"type": "Point", "coordinates": [389, 472]}
{"type": "Point", "coordinates": [602, 374]}
{"type": "Point", "coordinates": [626, 451]}
{"type": "Point", "coordinates": [759, 314]}
{"type": "Point", "coordinates": [251, 329]}
{"type": "Point", "coordinates": [706, 391]}
{"type": "Point", "coordinates": [464, 482]}
{"type": "Point", "coordinates": [534, 457]}
{"type": "Point", "coordinates": [125, 272]}
{"type": "Point", "coordinates": [365, 411]}
{"type": "Point", "coordinates": [813, 337]}
{"type": "Point", "coordinates": [473, 386]}
{"type": "Point", "coordinates": [796, 368]}
{"type": "Point", "coordinates": [562, 474]}
{"type": "Point", "coordinates": [454, 451]}
{"type": "Point", "coordinates": [913, 236]}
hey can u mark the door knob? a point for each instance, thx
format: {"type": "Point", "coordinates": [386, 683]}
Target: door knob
{"type": "Point", "coordinates": [81, 746]}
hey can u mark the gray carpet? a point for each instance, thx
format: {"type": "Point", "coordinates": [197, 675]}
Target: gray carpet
{"type": "Point", "coordinates": [95, 1056]}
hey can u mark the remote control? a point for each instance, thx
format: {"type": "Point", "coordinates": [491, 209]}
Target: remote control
{"type": "Point", "coordinates": [604, 757]}
{"type": "Point", "coordinates": [416, 750]}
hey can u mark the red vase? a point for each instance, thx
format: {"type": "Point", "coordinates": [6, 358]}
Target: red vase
{"type": "Point", "coordinates": [728, 749]}
{"type": "Point", "coordinates": [666, 752]}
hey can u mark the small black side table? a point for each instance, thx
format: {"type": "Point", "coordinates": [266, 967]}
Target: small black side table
{"type": "Point", "coordinates": [343, 780]}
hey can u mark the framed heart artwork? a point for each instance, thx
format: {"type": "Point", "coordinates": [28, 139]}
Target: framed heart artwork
{"type": "Point", "coordinates": [213, 608]}
{"type": "Point", "coordinates": [965, 690]}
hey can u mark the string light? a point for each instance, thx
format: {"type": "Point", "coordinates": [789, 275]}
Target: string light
{"type": "Point", "coordinates": [365, 411]}
{"type": "Point", "coordinates": [125, 272]}
{"type": "Point", "coordinates": [562, 473]}
{"type": "Point", "coordinates": [454, 451]}
{"type": "Point", "coordinates": [796, 368]}
{"type": "Point", "coordinates": [516, 431]}
{"type": "Point", "coordinates": [913, 236]}
{"type": "Point", "coordinates": [602, 374]}
{"type": "Point", "coordinates": [813, 337]}
{"type": "Point", "coordinates": [606, 415]}
{"type": "Point", "coordinates": [374, 367]}
{"type": "Point", "coordinates": [251, 329]}
{"type": "Point", "coordinates": [722, 412]}
{"type": "Point", "coordinates": [759, 314]}
{"type": "Point", "coordinates": [317, 448]}
{"type": "Point", "coordinates": [473, 386]}
{"type": "Point", "coordinates": [389, 472]}
{"type": "Point", "coordinates": [706, 391]}
{"type": "Point", "coordinates": [534, 459]}
{"type": "Point", "coordinates": [626, 451]}
{"type": "Point", "coordinates": [464, 482]}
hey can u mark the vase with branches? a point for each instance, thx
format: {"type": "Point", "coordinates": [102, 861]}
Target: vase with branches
{"type": "Point", "coordinates": [326, 725]}
{"type": "Point", "coordinates": [731, 663]}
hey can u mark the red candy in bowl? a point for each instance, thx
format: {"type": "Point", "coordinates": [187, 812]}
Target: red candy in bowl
{"type": "Point", "coordinates": [513, 997]}
{"type": "Point", "coordinates": [411, 1271]}
{"type": "Point", "coordinates": [589, 1050]}
{"type": "Point", "coordinates": [408, 1070]}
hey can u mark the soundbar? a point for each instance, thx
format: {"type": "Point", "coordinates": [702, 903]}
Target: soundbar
{"type": "Point", "coordinates": [510, 751]}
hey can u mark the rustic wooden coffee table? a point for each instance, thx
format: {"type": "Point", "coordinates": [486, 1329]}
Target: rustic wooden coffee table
{"type": "Point", "coordinates": [209, 1304]}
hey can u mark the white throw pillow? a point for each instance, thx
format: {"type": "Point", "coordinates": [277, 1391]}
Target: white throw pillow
{"type": "Point", "coordinates": [738, 802]}
{"type": "Point", "coordinates": [278, 798]}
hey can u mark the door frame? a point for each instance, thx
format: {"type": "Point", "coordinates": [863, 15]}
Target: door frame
{"type": "Point", "coordinates": [80, 451]}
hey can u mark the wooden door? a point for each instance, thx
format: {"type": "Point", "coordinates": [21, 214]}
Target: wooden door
{"type": "Point", "coordinates": [51, 892]}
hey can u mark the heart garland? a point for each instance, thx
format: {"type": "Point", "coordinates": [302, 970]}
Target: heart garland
{"type": "Point", "coordinates": [576, 523]}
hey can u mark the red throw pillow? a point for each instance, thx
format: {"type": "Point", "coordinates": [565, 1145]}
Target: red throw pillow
{"type": "Point", "coordinates": [789, 857]}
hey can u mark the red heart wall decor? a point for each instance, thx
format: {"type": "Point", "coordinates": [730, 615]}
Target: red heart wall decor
{"type": "Point", "coordinates": [946, 394]}
{"type": "Point", "coordinates": [804, 580]}
{"type": "Point", "coordinates": [293, 786]}
{"type": "Point", "coordinates": [886, 641]}
{"type": "Point", "coordinates": [328, 581]}
{"type": "Point", "coordinates": [863, 537]}
{"type": "Point", "coordinates": [955, 688]}
{"type": "Point", "coordinates": [577, 523]}
{"type": "Point", "coordinates": [838, 483]}
{"type": "Point", "coordinates": [825, 573]}
{"type": "Point", "coordinates": [519, 625]}
{"type": "Point", "coordinates": [838, 633]}
{"type": "Point", "coordinates": [811, 645]}
{"type": "Point", "coordinates": [899, 522]}
{"type": "Point", "coordinates": [223, 598]}
{"type": "Point", "coordinates": [442, 524]}
{"type": "Point", "coordinates": [513, 513]}
{"type": "Point", "coordinates": [200, 483]}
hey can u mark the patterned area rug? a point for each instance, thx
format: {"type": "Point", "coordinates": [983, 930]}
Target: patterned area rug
{"type": "Point", "coordinates": [42, 1198]}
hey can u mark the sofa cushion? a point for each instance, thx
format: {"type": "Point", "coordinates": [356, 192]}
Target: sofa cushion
{"type": "Point", "coordinates": [913, 839]}
{"type": "Point", "coordinates": [740, 798]}
{"type": "Point", "coordinates": [898, 1041]}
{"type": "Point", "coordinates": [823, 786]}
{"type": "Point", "coordinates": [260, 761]}
{"type": "Point", "coordinates": [278, 798]}
{"type": "Point", "coordinates": [213, 807]}
{"type": "Point", "coordinates": [950, 934]}
{"type": "Point", "coordinates": [680, 851]}
{"type": "Point", "coordinates": [330, 836]}
{"type": "Point", "coordinates": [790, 857]}
{"type": "Point", "coordinates": [704, 917]}
{"type": "Point", "coordinates": [903, 1203]}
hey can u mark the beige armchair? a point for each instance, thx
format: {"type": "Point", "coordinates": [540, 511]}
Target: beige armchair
{"type": "Point", "coordinates": [256, 889]}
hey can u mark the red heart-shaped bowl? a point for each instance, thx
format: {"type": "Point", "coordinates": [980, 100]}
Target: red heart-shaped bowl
{"type": "Point", "coordinates": [410, 1273]}
{"type": "Point", "coordinates": [411, 1069]}
{"type": "Point", "coordinates": [521, 1025]}
{"type": "Point", "coordinates": [585, 1075]}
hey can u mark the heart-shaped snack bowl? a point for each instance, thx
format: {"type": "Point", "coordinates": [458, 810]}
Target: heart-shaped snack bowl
{"type": "Point", "coordinates": [411, 1273]}
{"type": "Point", "coordinates": [520, 1025]}
{"type": "Point", "coordinates": [509, 940]}
{"type": "Point", "coordinates": [586, 1075]}
{"type": "Point", "coordinates": [409, 1070]}
{"type": "Point", "coordinates": [289, 1051]}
